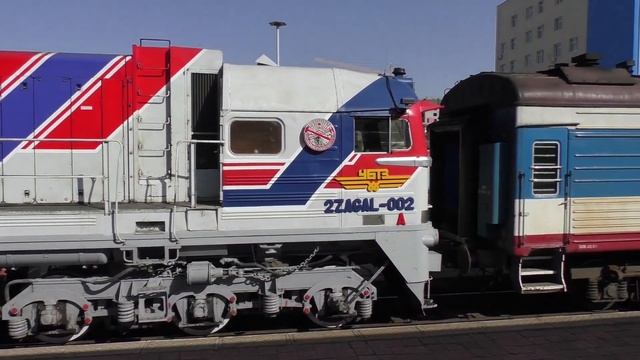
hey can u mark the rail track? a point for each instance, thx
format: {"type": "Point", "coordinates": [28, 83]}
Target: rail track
{"type": "Point", "coordinates": [461, 313]}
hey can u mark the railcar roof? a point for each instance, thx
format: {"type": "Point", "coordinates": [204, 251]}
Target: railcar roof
{"type": "Point", "coordinates": [566, 86]}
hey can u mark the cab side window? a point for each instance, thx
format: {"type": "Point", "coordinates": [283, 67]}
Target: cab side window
{"type": "Point", "coordinates": [400, 135]}
{"type": "Point", "coordinates": [371, 134]}
{"type": "Point", "coordinates": [381, 135]}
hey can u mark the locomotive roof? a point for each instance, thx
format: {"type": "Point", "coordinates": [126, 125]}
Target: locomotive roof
{"type": "Point", "coordinates": [566, 86]}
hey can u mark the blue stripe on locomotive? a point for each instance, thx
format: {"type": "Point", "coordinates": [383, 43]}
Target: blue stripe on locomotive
{"type": "Point", "coordinates": [599, 163]}
{"type": "Point", "coordinates": [44, 92]}
{"type": "Point", "coordinates": [309, 170]}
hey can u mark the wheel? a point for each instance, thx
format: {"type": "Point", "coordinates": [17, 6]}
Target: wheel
{"type": "Point", "coordinates": [61, 336]}
{"type": "Point", "coordinates": [330, 309]}
{"type": "Point", "coordinates": [205, 329]}
{"type": "Point", "coordinates": [215, 312]}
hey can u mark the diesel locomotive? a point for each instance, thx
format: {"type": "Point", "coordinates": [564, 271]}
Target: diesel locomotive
{"type": "Point", "coordinates": [168, 186]}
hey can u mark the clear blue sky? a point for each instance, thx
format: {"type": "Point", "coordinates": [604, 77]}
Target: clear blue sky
{"type": "Point", "coordinates": [438, 41]}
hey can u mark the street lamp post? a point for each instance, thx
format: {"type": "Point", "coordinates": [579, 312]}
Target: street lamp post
{"type": "Point", "coordinates": [278, 25]}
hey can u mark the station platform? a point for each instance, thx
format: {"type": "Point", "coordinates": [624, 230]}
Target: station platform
{"type": "Point", "coordinates": [582, 336]}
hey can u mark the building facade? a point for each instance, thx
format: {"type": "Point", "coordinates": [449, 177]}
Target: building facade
{"type": "Point", "coordinates": [534, 35]}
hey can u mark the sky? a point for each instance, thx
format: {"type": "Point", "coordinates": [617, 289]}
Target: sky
{"type": "Point", "coordinates": [438, 42]}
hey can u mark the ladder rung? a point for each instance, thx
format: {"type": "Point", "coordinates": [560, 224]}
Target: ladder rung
{"type": "Point", "coordinates": [541, 287]}
{"type": "Point", "coordinates": [536, 271]}
{"type": "Point", "coordinates": [538, 258]}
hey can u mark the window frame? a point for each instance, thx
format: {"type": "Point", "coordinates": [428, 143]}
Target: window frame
{"type": "Point", "coordinates": [557, 168]}
{"type": "Point", "coordinates": [391, 149]}
{"type": "Point", "coordinates": [270, 119]}
{"type": "Point", "coordinates": [573, 44]}
{"type": "Point", "coordinates": [557, 23]}
{"type": "Point", "coordinates": [540, 56]}
{"type": "Point", "coordinates": [355, 119]}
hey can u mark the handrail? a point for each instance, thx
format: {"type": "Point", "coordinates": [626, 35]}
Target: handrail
{"type": "Point", "coordinates": [192, 167]}
{"type": "Point", "coordinates": [106, 179]}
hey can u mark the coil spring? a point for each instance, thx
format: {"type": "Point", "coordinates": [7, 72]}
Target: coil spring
{"type": "Point", "coordinates": [126, 312]}
{"type": "Point", "coordinates": [271, 304]}
{"type": "Point", "coordinates": [623, 292]}
{"type": "Point", "coordinates": [364, 307]}
{"type": "Point", "coordinates": [593, 291]}
{"type": "Point", "coordinates": [18, 328]}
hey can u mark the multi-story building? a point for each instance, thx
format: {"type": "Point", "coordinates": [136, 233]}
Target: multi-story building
{"type": "Point", "coordinates": [533, 35]}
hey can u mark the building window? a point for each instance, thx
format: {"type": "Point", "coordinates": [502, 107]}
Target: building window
{"type": "Point", "coordinates": [527, 60]}
{"type": "Point", "coordinates": [540, 31]}
{"type": "Point", "coordinates": [503, 68]}
{"type": "Point", "coordinates": [540, 56]}
{"type": "Point", "coordinates": [573, 44]}
{"type": "Point", "coordinates": [557, 50]}
{"type": "Point", "coordinates": [546, 168]}
{"type": "Point", "coordinates": [540, 7]}
{"type": "Point", "coordinates": [256, 137]}
{"type": "Point", "coordinates": [529, 12]}
{"type": "Point", "coordinates": [513, 43]}
{"type": "Point", "coordinates": [557, 23]}
{"type": "Point", "coordinates": [512, 66]}
{"type": "Point", "coordinates": [514, 20]}
{"type": "Point", "coordinates": [501, 51]}
{"type": "Point", "coordinates": [372, 134]}
{"type": "Point", "coordinates": [529, 36]}
{"type": "Point", "coordinates": [558, 2]}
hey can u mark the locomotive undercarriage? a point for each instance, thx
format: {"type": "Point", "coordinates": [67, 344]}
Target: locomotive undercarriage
{"type": "Point", "coordinates": [331, 283]}
{"type": "Point", "coordinates": [200, 298]}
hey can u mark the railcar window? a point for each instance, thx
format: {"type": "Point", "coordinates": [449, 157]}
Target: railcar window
{"type": "Point", "coordinates": [255, 137]}
{"type": "Point", "coordinates": [400, 135]}
{"type": "Point", "coordinates": [546, 168]}
{"type": "Point", "coordinates": [371, 134]}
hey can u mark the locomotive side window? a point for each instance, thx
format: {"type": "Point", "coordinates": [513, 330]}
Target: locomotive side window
{"type": "Point", "coordinates": [255, 137]}
{"type": "Point", "coordinates": [400, 135]}
{"type": "Point", "coordinates": [372, 134]}
{"type": "Point", "coordinates": [546, 168]}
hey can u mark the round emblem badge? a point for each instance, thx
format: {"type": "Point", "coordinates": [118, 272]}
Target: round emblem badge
{"type": "Point", "coordinates": [319, 134]}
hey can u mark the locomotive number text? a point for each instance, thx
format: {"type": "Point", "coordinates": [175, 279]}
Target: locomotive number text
{"type": "Point", "coordinates": [340, 206]}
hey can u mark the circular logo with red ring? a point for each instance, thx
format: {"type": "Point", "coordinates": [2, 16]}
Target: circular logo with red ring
{"type": "Point", "coordinates": [319, 134]}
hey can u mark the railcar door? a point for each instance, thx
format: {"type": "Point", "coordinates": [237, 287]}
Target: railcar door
{"type": "Point", "coordinates": [205, 126]}
{"type": "Point", "coordinates": [540, 209]}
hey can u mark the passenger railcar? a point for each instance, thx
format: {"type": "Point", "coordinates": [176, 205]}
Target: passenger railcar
{"type": "Point", "coordinates": [167, 186]}
{"type": "Point", "coordinates": [538, 176]}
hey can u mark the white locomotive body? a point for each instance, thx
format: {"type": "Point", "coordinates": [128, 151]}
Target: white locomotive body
{"type": "Point", "coordinates": [168, 186]}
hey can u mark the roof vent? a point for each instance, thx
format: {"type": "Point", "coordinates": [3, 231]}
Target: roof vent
{"type": "Point", "coordinates": [627, 65]}
{"type": "Point", "coordinates": [398, 71]}
{"type": "Point", "coordinates": [265, 61]}
{"type": "Point", "coordinates": [586, 60]}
